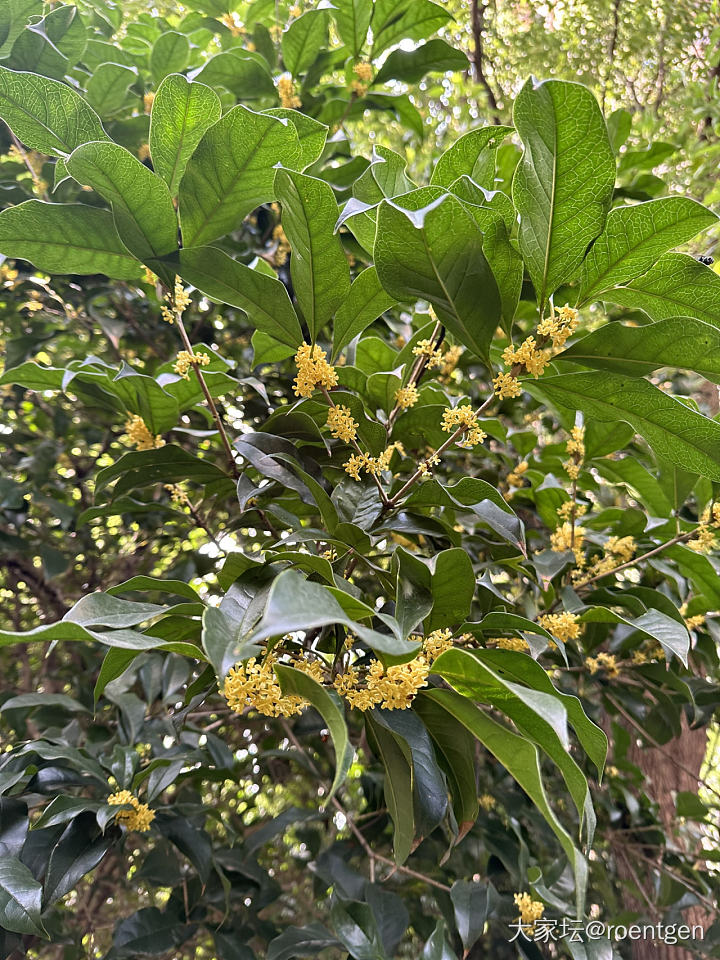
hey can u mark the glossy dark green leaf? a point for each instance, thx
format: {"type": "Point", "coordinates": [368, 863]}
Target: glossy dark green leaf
{"type": "Point", "coordinates": [78, 851]}
{"type": "Point", "coordinates": [472, 902]}
{"type": "Point", "coordinates": [296, 941]}
{"type": "Point", "coordinates": [149, 932]}
{"type": "Point", "coordinates": [365, 302]}
{"type": "Point", "coordinates": [182, 111]}
{"type": "Point", "coordinates": [168, 464]}
{"type": "Point", "coordinates": [563, 185]}
{"type": "Point", "coordinates": [318, 265]}
{"type": "Point", "coordinates": [20, 898]}
{"type": "Point", "coordinates": [436, 253]}
{"type": "Point", "coordinates": [66, 238]}
{"type": "Point", "coordinates": [398, 787]}
{"type": "Point", "coordinates": [232, 171]}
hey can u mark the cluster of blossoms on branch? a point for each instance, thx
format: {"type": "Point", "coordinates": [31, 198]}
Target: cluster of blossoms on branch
{"type": "Point", "coordinates": [138, 817]}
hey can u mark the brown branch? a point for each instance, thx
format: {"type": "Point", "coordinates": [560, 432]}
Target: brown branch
{"type": "Point", "coordinates": [477, 27]}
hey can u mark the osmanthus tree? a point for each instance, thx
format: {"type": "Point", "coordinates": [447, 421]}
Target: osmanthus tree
{"type": "Point", "coordinates": [345, 518]}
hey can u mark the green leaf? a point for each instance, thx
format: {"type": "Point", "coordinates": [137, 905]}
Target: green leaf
{"type": "Point", "coordinates": [115, 663]}
{"type": "Point", "coordinates": [365, 302]}
{"type": "Point", "coordinates": [244, 74]}
{"type": "Point", "coordinates": [225, 640]}
{"type": "Point", "coordinates": [20, 898]}
{"type": "Point", "coordinates": [182, 112]}
{"type": "Point", "coordinates": [232, 171]}
{"type": "Point", "coordinates": [51, 45]}
{"type": "Point", "coordinates": [318, 265]}
{"type": "Point", "coordinates": [298, 604]}
{"type": "Point", "coordinates": [107, 88]}
{"type": "Point", "coordinates": [29, 701]}
{"type": "Point", "coordinates": [448, 580]}
{"type": "Point", "coordinates": [682, 342]}
{"type": "Point", "coordinates": [635, 237]}
{"type": "Point", "coordinates": [263, 298]}
{"type": "Point", "coordinates": [78, 851]}
{"type": "Point", "coordinates": [303, 39]}
{"type": "Point", "coordinates": [436, 253]}
{"type": "Point", "coordinates": [639, 481]}
{"type": "Point", "coordinates": [410, 66]}
{"type": "Point", "coordinates": [472, 902]}
{"type": "Point", "coordinates": [677, 285]}
{"type": "Point", "coordinates": [437, 947]}
{"type": "Point", "coordinates": [564, 182]}
{"type": "Point", "coordinates": [353, 19]}
{"type": "Point", "coordinates": [473, 155]}
{"type": "Point", "coordinates": [168, 464]}
{"type": "Point", "coordinates": [520, 758]}
{"type": "Point", "coordinates": [149, 932]}
{"type": "Point", "coordinates": [398, 787]}
{"type": "Point", "coordinates": [674, 431]}
{"type": "Point", "coordinates": [61, 809]}
{"type": "Point", "coordinates": [170, 54]}
{"type": "Point", "coordinates": [296, 941]}
{"type": "Point", "coordinates": [66, 238]}
{"type": "Point", "coordinates": [420, 19]}
{"type": "Point", "coordinates": [102, 610]}
{"type": "Point", "coordinates": [142, 206]}
{"type": "Point", "coordinates": [300, 684]}
{"type": "Point", "coordinates": [311, 134]}
{"type": "Point", "coordinates": [66, 630]}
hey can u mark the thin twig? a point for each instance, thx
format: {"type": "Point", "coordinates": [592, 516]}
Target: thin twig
{"type": "Point", "coordinates": [356, 447]}
{"type": "Point", "coordinates": [680, 538]}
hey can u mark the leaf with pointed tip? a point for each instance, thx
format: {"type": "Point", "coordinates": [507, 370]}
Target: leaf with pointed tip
{"type": "Point", "coordinates": [182, 112]}
{"type": "Point", "coordinates": [318, 265]}
{"type": "Point", "coordinates": [108, 86]}
{"type": "Point", "coordinates": [674, 431]}
{"type": "Point", "coordinates": [473, 155]}
{"type": "Point", "coordinates": [635, 237]}
{"type": "Point", "coordinates": [410, 66]}
{"type": "Point", "coordinates": [232, 171]}
{"type": "Point", "coordinates": [78, 851]}
{"type": "Point", "coordinates": [398, 786]}
{"type": "Point", "coordinates": [311, 134]}
{"type": "Point", "coordinates": [20, 898]}
{"type": "Point", "coordinates": [353, 19]}
{"type": "Point", "coordinates": [170, 54]}
{"type": "Point", "coordinates": [416, 22]}
{"type": "Point", "coordinates": [564, 182]}
{"type": "Point", "coordinates": [303, 39]}
{"type": "Point", "coordinates": [141, 203]}
{"type": "Point", "coordinates": [66, 238]}
{"type": "Point", "coordinates": [365, 302]}
{"type": "Point", "coordinates": [436, 253]}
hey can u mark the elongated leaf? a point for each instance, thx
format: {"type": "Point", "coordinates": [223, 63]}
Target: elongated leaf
{"type": "Point", "coordinates": [635, 237]}
{"type": "Point", "coordinates": [677, 285]}
{"type": "Point", "coordinates": [170, 54]}
{"type": "Point", "coordinates": [265, 299]}
{"type": "Point", "coordinates": [302, 40]}
{"type": "Point", "coordinates": [311, 134]}
{"type": "Point", "coordinates": [66, 238]}
{"type": "Point", "coordinates": [472, 902]}
{"type": "Point", "coordinates": [181, 113]}
{"type": "Point", "coordinates": [520, 758]}
{"type": "Point", "coordinates": [300, 684]}
{"type": "Point", "coordinates": [20, 898]}
{"type": "Point", "coordinates": [232, 171]}
{"type": "Point", "coordinates": [365, 302]}
{"type": "Point", "coordinates": [141, 202]}
{"type": "Point", "coordinates": [319, 268]}
{"type": "Point", "coordinates": [674, 431]}
{"type": "Point", "coordinates": [410, 66]}
{"type": "Point", "coordinates": [473, 155]}
{"type": "Point", "coordinates": [563, 185]}
{"type": "Point", "coordinates": [436, 253]}
{"type": "Point", "coordinates": [420, 19]}
{"type": "Point", "coordinates": [46, 115]}
{"type": "Point", "coordinates": [398, 787]}
{"type": "Point", "coordinates": [353, 19]}
{"type": "Point", "coordinates": [168, 464]}
{"type": "Point", "coordinates": [66, 630]}
{"type": "Point", "coordinates": [107, 89]}
{"type": "Point", "coordinates": [682, 342]}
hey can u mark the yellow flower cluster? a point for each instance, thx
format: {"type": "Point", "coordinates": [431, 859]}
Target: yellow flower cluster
{"type": "Point", "coordinates": [295, 11]}
{"type": "Point", "coordinates": [139, 435]}
{"type": "Point", "coordinates": [565, 538]}
{"type": "Point", "coordinates": [7, 273]}
{"type": "Point", "coordinates": [234, 24]}
{"type": "Point", "coordinates": [576, 448]}
{"type": "Point", "coordinates": [139, 818]}
{"type": "Point", "coordinates": [341, 423]}
{"type": "Point", "coordinates": [528, 355]}
{"type": "Point", "coordinates": [179, 300]}
{"type": "Point", "coordinates": [705, 535]}
{"type": "Point", "coordinates": [425, 466]}
{"type": "Point", "coordinates": [150, 277]}
{"type": "Point", "coordinates": [286, 91]}
{"type": "Point", "coordinates": [177, 494]}
{"type": "Point", "coordinates": [487, 801]}
{"type": "Point", "coordinates": [530, 910]}
{"type": "Point", "coordinates": [515, 479]}
{"type": "Point", "coordinates": [450, 360]}
{"type": "Point", "coordinates": [517, 644]}
{"type": "Point", "coordinates": [603, 661]}
{"type": "Point", "coordinates": [616, 551]}
{"type": "Point", "coordinates": [465, 417]}
{"type": "Point", "coordinates": [692, 623]}
{"type": "Point", "coordinates": [148, 101]}
{"type": "Point", "coordinates": [566, 512]}
{"type": "Point", "coordinates": [185, 360]}
{"type": "Point", "coordinates": [254, 684]}
{"type": "Point", "coordinates": [433, 356]}
{"type": "Point", "coordinates": [313, 370]}
{"type": "Point", "coordinates": [393, 688]}
{"type": "Point", "coordinates": [436, 643]}
{"type": "Point", "coordinates": [559, 326]}
{"type": "Point", "coordinates": [648, 654]}
{"type": "Point", "coordinates": [282, 250]}
{"type": "Point", "coordinates": [406, 397]}
{"type": "Point", "coordinates": [564, 626]}
{"type": "Point", "coordinates": [507, 386]}
{"type": "Point", "coordinates": [363, 71]}
{"type": "Point", "coordinates": [372, 465]}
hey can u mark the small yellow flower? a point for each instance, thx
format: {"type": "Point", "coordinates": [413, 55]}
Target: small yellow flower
{"type": "Point", "coordinates": [286, 91]}
{"type": "Point", "coordinates": [517, 644]}
{"type": "Point", "coordinates": [433, 356]}
{"type": "Point", "coordinates": [139, 818]}
{"type": "Point", "coordinates": [177, 494]}
{"type": "Point", "coordinates": [295, 11]}
{"type": "Point", "coordinates": [463, 416]}
{"type": "Point", "coordinates": [704, 539]}
{"type": "Point", "coordinates": [150, 277]}
{"type": "Point", "coordinates": [139, 435]}
{"type": "Point", "coordinates": [406, 396]}
{"type": "Point", "coordinates": [313, 370]}
{"type": "Point", "coordinates": [363, 71]}
{"type": "Point", "coordinates": [254, 684]}
{"type": "Point", "coordinates": [148, 101]}
{"type": "Point", "coordinates": [450, 360]}
{"type": "Point", "coordinates": [143, 152]}
{"type": "Point", "coordinates": [603, 661]}
{"type": "Point", "coordinates": [528, 355]}
{"type": "Point", "coordinates": [560, 326]}
{"type": "Point", "coordinates": [341, 423]}
{"type": "Point", "coordinates": [515, 479]}
{"type": "Point", "coordinates": [185, 360]}
{"type": "Point", "coordinates": [487, 801]}
{"type": "Point", "coordinates": [530, 910]}
{"type": "Point", "coordinates": [436, 643]}
{"type": "Point", "coordinates": [507, 386]}
{"type": "Point", "coordinates": [564, 626]}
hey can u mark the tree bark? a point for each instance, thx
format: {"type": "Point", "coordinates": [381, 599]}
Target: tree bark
{"type": "Point", "coordinates": [477, 26]}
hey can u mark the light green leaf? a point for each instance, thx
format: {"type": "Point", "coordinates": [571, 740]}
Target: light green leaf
{"type": "Point", "coordinates": [168, 464]}
{"type": "Point", "coordinates": [265, 299]}
{"type": "Point", "coordinates": [300, 684]}
{"type": "Point", "coordinates": [244, 73]}
{"type": "Point", "coordinates": [170, 54]}
{"type": "Point", "coordinates": [232, 172]}
{"type": "Point", "coordinates": [682, 342]}
{"type": "Point", "coordinates": [436, 253]}
{"type": "Point", "coordinates": [677, 285]}
{"type": "Point", "coordinates": [108, 86]}
{"type": "Point", "coordinates": [635, 237]}
{"type": "Point", "coordinates": [410, 66]}
{"type": "Point", "coordinates": [419, 20]}
{"type": "Point", "coordinates": [181, 113]}
{"type": "Point", "coordinates": [303, 39]}
{"type": "Point", "coordinates": [20, 899]}
{"type": "Point", "coordinates": [563, 185]}
{"type": "Point", "coordinates": [473, 155]}
{"type": "Point", "coordinates": [365, 302]}
{"type": "Point", "coordinates": [311, 134]}
{"type": "Point", "coordinates": [318, 265]}
{"type": "Point", "coordinates": [674, 431]}
{"type": "Point", "coordinates": [353, 19]}
{"type": "Point", "coordinates": [66, 238]}
{"type": "Point", "coordinates": [142, 206]}
{"type": "Point", "coordinates": [46, 115]}
{"type": "Point", "coordinates": [66, 630]}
